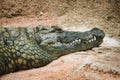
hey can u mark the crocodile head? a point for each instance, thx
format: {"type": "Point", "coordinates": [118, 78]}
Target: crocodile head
{"type": "Point", "coordinates": [69, 41]}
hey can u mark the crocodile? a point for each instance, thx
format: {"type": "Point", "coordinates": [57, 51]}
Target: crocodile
{"type": "Point", "coordinates": [33, 47]}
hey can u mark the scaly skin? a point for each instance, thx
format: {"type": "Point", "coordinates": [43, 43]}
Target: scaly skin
{"type": "Point", "coordinates": [25, 48]}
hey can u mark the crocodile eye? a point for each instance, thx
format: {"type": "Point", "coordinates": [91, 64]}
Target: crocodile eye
{"type": "Point", "coordinates": [56, 29]}
{"type": "Point", "coordinates": [48, 42]}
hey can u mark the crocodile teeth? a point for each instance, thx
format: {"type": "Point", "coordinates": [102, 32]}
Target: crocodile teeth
{"type": "Point", "coordinates": [90, 41]}
{"type": "Point", "coordinates": [71, 43]}
{"type": "Point", "coordinates": [79, 40]}
{"type": "Point", "coordinates": [68, 44]}
{"type": "Point", "coordinates": [94, 38]}
{"type": "Point", "coordinates": [76, 40]}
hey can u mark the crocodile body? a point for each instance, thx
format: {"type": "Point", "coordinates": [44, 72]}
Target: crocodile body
{"type": "Point", "coordinates": [25, 48]}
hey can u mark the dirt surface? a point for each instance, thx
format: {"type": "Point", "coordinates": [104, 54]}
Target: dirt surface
{"type": "Point", "coordinates": [102, 63]}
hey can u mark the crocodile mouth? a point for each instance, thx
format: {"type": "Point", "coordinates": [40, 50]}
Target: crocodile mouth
{"type": "Point", "coordinates": [81, 41]}
{"type": "Point", "coordinates": [91, 41]}
{"type": "Point", "coordinates": [75, 41]}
